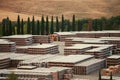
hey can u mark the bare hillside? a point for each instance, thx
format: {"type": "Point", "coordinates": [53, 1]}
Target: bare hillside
{"type": "Point", "coordinates": [81, 8]}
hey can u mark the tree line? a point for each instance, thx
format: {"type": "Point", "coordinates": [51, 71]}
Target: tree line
{"type": "Point", "coordinates": [47, 25]}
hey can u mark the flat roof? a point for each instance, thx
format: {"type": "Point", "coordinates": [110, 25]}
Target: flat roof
{"type": "Point", "coordinates": [98, 45]}
{"type": "Point", "coordinates": [78, 46]}
{"type": "Point", "coordinates": [38, 46]}
{"type": "Point", "coordinates": [114, 57]}
{"type": "Point", "coordinates": [65, 33]}
{"type": "Point", "coordinates": [4, 57]}
{"type": "Point", "coordinates": [52, 58]}
{"type": "Point", "coordinates": [36, 71]}
{"type": "Point", "coordinates": [98, 49]}
{"type": "Point", "coordinates": [87, 32]}
{"type": "Point", "coordinates": [41, 35]}
{"type": "Point", "coordinates": [17, 36]}
{"type": "Point", "coordinates": [27, 67]}
{"type": "Point", "coordinates": [51, 69]}
{"type": "Point", "coordinates": [104, 31]}
{"type": "Point", "coordinates": [39, 58]}
{"type": "Point", "coordinates": [4, 41]}
{"type": "Point", "coordinates": [18, 56]}
{"type": "Point", "coordinates": [110, 38]}
{"type": "Point", "coordinates": [82, 46]}
{"type": "Point", "coordinates": [89, 62]}
{"type": "Point", "coordinates": [20, 71]}
{"type": "Point", "coordinates": [72, 58]}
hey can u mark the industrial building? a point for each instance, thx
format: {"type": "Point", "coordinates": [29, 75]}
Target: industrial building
{"type": "Point", "coordinates": [37, 57]}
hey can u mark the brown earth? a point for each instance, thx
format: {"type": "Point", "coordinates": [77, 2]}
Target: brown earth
{"type": "Point", "coordinates": [81, 8]}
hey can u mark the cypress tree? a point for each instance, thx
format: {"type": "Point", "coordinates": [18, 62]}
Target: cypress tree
{"type": "Point", "coordinates": [33, 26]}
{"type": "Point", "coordinates": [79, 25]}
{"type": "Point", "coordinates": [18, 25]}
{"type": "Point", "coordinates": [22, 27]}
{"type": "Point", "coordinates": [68, 27]}
{"type": "Point", "coordinates": [57, 24]}
{"type": "Point", "coordinates": [10, 28]}
{"type": "Point", "coordinates": [7, 26]}
{"type": "Point", "coordinates": [103, 22]}
{"type": "Point", "coordinates": [73, 23]}
{"type": "Point", "coordinates": [52, 28]}
{"type": "Point", "coordinates": [28, 26]}
{"type": "Point", "coordinates": [47, 26]}
{"type": "Point", "coordinates": [38, 27]}
{"type": "Point", "coordinates": [100, 25]}
{"type": "Point", "coordinates": [42, 25]}
{"type": "Point", "coordinates": [89, 25]}
{"type": "Point", "coordinates": [3, 27]}
{"type": "Point", "coordinates": [95, 24]}
{"type": "Point", "coordinates": [13, 29]}
{"type": "Point", "coordinates": [62, 26]}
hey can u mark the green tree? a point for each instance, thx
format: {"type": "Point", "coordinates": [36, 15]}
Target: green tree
{"type": "Point", "coordinates": [18, 25]}
{"type": "Point", "coordinates": [57, 24]}
{"type": "Point", "coordinates": [73, 23]}
{"type": "Point", "coordinates": [3, 27]}
{"type": "Point", "coordinates": [33, 26]}
{"type": "Point", "coordinates": [28, 26]}
{"type": "Point", "coordinates": [12, 76]}
{"type": "Point", "coordinates": [14, 27]}
{"type": "Point", "coordinates": [95, 24]}
{"type": "Point", "coordinates": [22, 27]}
{"type": "Point", "coordinates": [79, 25]}
{"type": "Point", "coordinates": [42, 25]}
{"type": "Point", "coordinates": [10, 28]}
{"type": "Point", "coordinates": [6, 28]}
{"type": "Point", "coordinates": [99, 24]}
{"type": "Point", "coordinates": [47, 26]}
{"type": "Point", "coordinates": [62, 26]}
{"type": "Point", "coordinates": [52, 27]}
{"type": "Point", "coordinates": [104, 21]}
{"type": "Point", "coordinates": [38, 27]}
{"type": "Point", "coordinates": [68, 26]}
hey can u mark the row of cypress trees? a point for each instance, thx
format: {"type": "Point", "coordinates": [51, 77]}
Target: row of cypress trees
{"type": "Point", "coordinates": [7, 28]}
{"type": "Point", "coordinates": [35, 27]}
{"type": "Point", "coordinates": [46, 26]}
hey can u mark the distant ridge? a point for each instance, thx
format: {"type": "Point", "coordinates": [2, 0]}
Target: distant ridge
{"type": "Point", "coordinates": [81, 8]}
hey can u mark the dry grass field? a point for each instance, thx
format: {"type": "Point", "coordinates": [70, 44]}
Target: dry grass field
{"type": "Point", "coordinates": [81, 8]}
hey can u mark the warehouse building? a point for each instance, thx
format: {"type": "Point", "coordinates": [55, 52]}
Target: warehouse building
{"type": "Point", "coordinates": [81, 64]}
{"type": "Point", "coordinates": [113, 60]}
{"type": "Point", "coordinates": [98, 50]}
{"type": "Point", "coordinates": [77, 40]}
{"type": "Point", "coordinates": [76, 49]}
{"type": "Point", "coordinates": [4, 62]}
{"type": "Point", "coordinates": [7, 46]}
{"type": "Point", "coordinates": [88, 66]}
{"type": "Point", "coordinates": [21, 40]}
{"type": "Point", "coordinates": [38, 49]}
{"type": "Point", "coordinates": [53, 73]}
{"type": "Point", "coordinates": [87, 34]}
{"type": "Point", "coordinates": [42, 39]}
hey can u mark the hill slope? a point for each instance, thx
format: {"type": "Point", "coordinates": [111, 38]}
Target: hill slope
{"type": "Point", "coordinates": [81, 8]}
